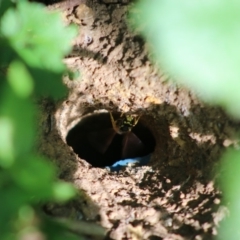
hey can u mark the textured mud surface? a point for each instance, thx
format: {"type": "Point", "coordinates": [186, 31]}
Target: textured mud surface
{"type": "Point", "coordinates": [175, 196]}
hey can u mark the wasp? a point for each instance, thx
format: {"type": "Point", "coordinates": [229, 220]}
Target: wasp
{"type": "Point", "coordinates": [125, 123]}
{"type": "Point", "coordinates": [131, 146]}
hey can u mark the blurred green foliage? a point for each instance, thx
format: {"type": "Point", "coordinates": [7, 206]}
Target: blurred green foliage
{"type": "Point", "coordinates": [33, 43]}
{"type": "Point", "coordinates": [197, 43]}
{"type": "Point", "coordinates": [230, 185]}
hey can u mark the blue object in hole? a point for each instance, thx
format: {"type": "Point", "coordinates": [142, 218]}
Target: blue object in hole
{"type": "Point", "coordinates": [140, 161]}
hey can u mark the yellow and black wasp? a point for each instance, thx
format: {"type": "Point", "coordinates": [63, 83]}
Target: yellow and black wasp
{"type": "Point", "coordinates": [125, 123]}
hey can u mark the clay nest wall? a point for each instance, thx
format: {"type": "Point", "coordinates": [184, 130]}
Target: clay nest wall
{"type": "Point", "coordinates": [174, 195]}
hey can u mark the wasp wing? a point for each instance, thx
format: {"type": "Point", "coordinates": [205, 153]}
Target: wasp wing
{"type": "Point", "coordinates": [101, 140]}
{"type": "Point", "coordinates": [132, 146]}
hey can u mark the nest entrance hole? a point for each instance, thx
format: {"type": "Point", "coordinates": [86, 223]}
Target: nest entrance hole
{"type": "Point", "coordinates": [95, 141]}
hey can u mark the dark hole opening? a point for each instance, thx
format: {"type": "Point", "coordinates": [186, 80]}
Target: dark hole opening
{"type": "Point", "coordinates": [94, 140]}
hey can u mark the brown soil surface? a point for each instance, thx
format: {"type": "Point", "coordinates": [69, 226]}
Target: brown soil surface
{"type": "Point", "coordinates": [174, 197]}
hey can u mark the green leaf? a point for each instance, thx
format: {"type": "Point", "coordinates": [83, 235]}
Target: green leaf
{"type": "Point", "coordinates": [198, 43]}
{"type": "Point", "coordinates": [26, 213]}
{"type": "Point", "coordinates": [230, 185]}
{"type": "Point", "coordinates": [37, 35]}
{"type": "Point", "coordinates": [35, 175]}
{"type": "Point", "coordinates": [7, 153]}
{"type": "Point", "coordinates": [4, 5]}
{"type": "Point", "coordinates": [20, 80]}
{"type": "Point", "coordinates": [12, 198]}
{"type": "Point", "coordinates": [20, 112]}
{"type": "Point", "coordinates": [63, 191]}
{"type": "Point", "coordinates": [48, 83]}
{"type": "Point", "coordinates": [230, 165]}
{"type": "Point", "coordinates": [7, 54]}
{"type": "Point", "coordinates": [10, 20]}
{"type": "Point", "coordinates": [58, 231]}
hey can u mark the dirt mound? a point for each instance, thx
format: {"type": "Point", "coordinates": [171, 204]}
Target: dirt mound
{"type": "Point", "coordinates": [173, 196]}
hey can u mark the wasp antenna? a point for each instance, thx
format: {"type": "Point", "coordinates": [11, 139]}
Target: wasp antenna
{"type": "Point", "coordinates": [136, 120]}
{"type": "Point", "coordinates": [113, 122]}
